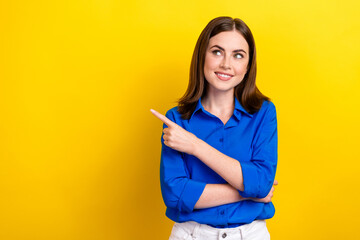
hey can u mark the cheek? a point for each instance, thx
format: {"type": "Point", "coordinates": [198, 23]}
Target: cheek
{"type": "Point", "coordinates": [241, 69]}
{"type": "Point", "coordinates": [211, 63]}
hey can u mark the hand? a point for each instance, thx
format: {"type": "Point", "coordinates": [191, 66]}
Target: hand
{"type": "Point", "coordinates": [176, 137]}
{"type": "Point", "coordinates": [267, 199]}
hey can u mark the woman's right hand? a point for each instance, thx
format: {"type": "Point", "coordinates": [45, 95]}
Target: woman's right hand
{"type": "Point", "coordinates": [268, 198]}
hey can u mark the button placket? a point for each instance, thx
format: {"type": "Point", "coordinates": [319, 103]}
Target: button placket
{"type": "Point", "coordinates": [221, 138]}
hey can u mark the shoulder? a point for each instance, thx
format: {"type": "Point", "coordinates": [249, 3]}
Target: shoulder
{"type": "Point", "coordinates": [174, 115]}
{"type": "Point", "coordinates": [172, 112]}
{"type": "Point", "coordinates": [267, 110]}
{"type": "Point", "coordinates": [267, 106]}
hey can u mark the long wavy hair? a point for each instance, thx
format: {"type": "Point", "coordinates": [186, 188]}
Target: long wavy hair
{"type": "Point", "coordinates": [246, 91]}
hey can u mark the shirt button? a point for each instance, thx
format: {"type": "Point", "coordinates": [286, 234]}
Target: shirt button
{"type": "Point", "coordinates": [222, 212]}
{"type": "Point", "coordinates": [221, 139]}
{"type": "Point", "coordinates": [224, 235]}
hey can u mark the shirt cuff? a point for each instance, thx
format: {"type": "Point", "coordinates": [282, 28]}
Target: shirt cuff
{"type": "Point", "coordinates": [191, 195]}
{"type": "Point", "coordinates": [250, 180]}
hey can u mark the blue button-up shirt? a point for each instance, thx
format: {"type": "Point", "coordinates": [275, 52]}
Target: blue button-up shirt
{"type": "Point", "coordinates": [249, 138]}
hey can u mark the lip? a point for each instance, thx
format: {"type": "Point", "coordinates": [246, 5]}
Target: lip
{"type": "Point", "coordinates": [223, 78]}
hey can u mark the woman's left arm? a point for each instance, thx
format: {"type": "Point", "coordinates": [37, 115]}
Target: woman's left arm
{"type": "Point", "coordinates": [252, 179]}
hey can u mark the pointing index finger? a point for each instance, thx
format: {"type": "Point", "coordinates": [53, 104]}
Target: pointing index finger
{"type": "Point", "coordinates": [163, 118]}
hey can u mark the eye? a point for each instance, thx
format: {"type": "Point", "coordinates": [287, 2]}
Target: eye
{"type": "Point", "coordinates": [216, 52]}
{"type": "Point", "coordinates": [238, 56]}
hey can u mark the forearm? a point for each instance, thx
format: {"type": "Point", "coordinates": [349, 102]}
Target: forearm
{"type": "Point", "coordinates": [228, 168]}
{"type": "Point", "coordinates": [218, 194]}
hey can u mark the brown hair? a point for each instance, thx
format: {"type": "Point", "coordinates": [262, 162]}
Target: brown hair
{"type": "Point", "coordinates": [246, 92]}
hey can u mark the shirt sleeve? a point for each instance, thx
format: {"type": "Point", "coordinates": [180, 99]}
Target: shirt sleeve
{"type": "Point", "coordinates": [259, 172]}
{"type": "Point", "coordinates": [178, 190]}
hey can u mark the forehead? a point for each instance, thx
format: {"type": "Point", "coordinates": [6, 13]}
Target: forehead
{"type": "Point", "coordinates": [229, 40]}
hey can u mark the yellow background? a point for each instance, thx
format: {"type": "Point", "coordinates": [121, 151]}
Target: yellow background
{"type": "Point", "coordinates": [80, 150]}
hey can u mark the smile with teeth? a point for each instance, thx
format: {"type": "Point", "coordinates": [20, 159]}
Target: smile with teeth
{"type": "Point", "coordinates": [223, 76]}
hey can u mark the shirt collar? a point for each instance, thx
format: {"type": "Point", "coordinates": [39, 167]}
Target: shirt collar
{"type": "Point", "coordinates": [238, 107]}
{"type": "Point", "coordinates": [198, 107]}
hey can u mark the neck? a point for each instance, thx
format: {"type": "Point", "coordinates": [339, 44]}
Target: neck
{"type": "Point", "coordinates": [219, 102]}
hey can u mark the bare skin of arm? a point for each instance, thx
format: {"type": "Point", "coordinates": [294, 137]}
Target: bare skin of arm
{"type": "Point", "coordinates": [220, 194]}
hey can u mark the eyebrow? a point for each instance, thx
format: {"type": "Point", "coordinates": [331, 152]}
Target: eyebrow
{"type": "Point", "coordinates": [237, 50]}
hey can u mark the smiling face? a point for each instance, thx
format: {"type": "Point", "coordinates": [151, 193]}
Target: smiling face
{"type": "Point", "coordinates": [226, 61]}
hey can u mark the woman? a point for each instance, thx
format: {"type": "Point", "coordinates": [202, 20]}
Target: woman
{"type": "Point", "coordinates": [219, 145]}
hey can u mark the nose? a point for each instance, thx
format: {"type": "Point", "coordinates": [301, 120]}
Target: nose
{"type": "Point", "coordinates": [225, 63]}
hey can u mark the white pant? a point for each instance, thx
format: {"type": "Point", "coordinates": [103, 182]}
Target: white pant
{"type": "Point", "coordinates": [256, 230]}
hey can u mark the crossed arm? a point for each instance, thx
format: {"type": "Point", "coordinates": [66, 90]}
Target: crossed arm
{"type": "Point", "coordinates": [228, 168]}
{"type": "Point", "coordinates": [220, 194]}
